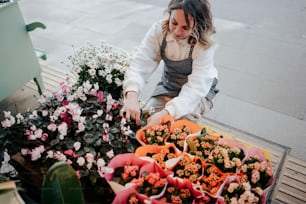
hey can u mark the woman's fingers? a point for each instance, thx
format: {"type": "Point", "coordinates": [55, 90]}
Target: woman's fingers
{"type": "Point", "coordinates": [128, 115]}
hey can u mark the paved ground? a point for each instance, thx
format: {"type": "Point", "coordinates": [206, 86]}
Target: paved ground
{"type": "Point", "coordinates": [261, 57]}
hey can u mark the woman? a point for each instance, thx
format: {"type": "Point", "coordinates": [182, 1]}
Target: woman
{"type": "Point", "coordinates": [184, 43]}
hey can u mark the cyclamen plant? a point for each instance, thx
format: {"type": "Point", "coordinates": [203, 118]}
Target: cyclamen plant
{"type": "Point", "coordinates": [79, 125]}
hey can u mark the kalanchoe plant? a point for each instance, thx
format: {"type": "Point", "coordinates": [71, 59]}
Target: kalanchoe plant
{"type": "Point", "coordinates": [102, 64]}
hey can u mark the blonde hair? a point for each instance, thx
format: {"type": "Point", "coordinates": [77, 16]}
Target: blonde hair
{"type": "Point", "coordinates": [200, 11]}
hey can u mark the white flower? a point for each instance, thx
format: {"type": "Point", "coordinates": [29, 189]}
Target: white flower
{"type": "Point", "coordinates": [109, 78]}
{"type": "Point", "coordinates": [77, 69]}
{"type": "Point", "coordinates": [100, 162]}
{"type": "Point", "coordinates": [20, 118]}
{"type": "Point", "coordinates": [45, 113]}
{"type": "Point", "coordinates": [7, 114]}
{"type": "Point", "coordinates": [62, 129]}
{"type": "Point", "coordinates": [89, 165]}
{"type": "Point", "coordinates": [99, 112]}
{"type": "Point", "coordinates": [50, 154]}
{"type": "Point", "coordinates": [92, 72]}
{"type": "Point", "coordinates": [81, 161]}
{"type": "Point", "coordinates": [35, 154]}
{"type": "Point", "coordinates": [77, 146]}
{"type": "Point", "coordinates": [25, 151]}
{"type": "Point", "coordinates": [110, 154]}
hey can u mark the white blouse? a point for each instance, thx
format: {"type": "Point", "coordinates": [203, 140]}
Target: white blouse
{"type": "Point", "coordinates": [148, 57]}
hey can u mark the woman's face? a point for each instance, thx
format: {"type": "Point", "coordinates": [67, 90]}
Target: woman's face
{"type": "Point", "coordinates": [178, 26]}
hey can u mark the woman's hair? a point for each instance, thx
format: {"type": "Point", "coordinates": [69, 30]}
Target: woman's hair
{"type": "Point", "coordinates": [200, 11]}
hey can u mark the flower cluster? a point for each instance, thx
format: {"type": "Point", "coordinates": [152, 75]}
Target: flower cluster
{"type": "Point", "coordinates": [226, 158]}
{"type": "Point", "coordinates": [163, 156]}
{"type": "Point", "coordinates": [177, 195]}
{"type": "Point", "coordinates": [258, 171]}
{"type": "Point", "coordinates": [202, 145]}
{"type": "Point", "coordinates": [188, 168]}
{"type": "Point", "coordinates": [150, 183]}
{"type": "Point", "coordinates": [239, 190]}
{"type": "Point", "coordinates": [212, 179]}
{"type": "Point", "coordinates": [156, 134]}
{"type": "Point", "coordinates": [126, 174]}
{"type": "Point", "coordinates": [102, 64]}
{"type": "Point", "coordinates": [133, 199]}
{"type": "Point", "coordinates": [178, 136]}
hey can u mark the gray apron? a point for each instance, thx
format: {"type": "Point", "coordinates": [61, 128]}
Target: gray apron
{"type": "Point", "coordinates": [175, 75]}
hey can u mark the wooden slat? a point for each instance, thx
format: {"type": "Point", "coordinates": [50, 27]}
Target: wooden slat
{"type": "Point", "coordinates": [291, 173]}
{"type": "Point", "coordinates": [293, 194]}
{"type": "Point", "coordinates": [284, 198]}
{"type": "Point", "coordinates": [300, 187]}
{"type": "Point", "coordinates": [291, 186]}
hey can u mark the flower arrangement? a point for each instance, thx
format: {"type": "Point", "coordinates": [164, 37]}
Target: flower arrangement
{"type": "Point", "coordinates": [188, 167]}
{"type": "Point", "coordinates": [257, 169]}
{"type": "Point", "coordinates": [227, 155]}
{"type": "Point", "coordinates": [102, 64]}
{"type": "Point", "coordinates": [155, 134]}
{"type": "Point", "coordinates": [124, 168]}
{"type": "Point", "coordinates": [212, 179]}
{"type": "Point", "coordinates": [178, 192]}
{"type": "Point", "coordinates": [150, 183]}
{"type": "Point", "coordinates": [159, 153]}
{"type": "Point", "coordinates": [238, 190]}
{"type": "Point", "coordinates": [201, 145]}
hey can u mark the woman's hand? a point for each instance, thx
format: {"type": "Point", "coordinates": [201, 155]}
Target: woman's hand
{"type": "Point", "coordinates": [156, 117]}
{"type": "Point", "coordinates": [131, 107]}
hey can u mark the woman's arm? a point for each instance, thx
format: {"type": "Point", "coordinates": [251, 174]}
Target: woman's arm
{"type": "Point", "coordinates": [145, 61]}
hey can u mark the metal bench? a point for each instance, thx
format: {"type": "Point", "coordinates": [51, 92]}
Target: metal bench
{"type": "Point", "coordinates": [19, 61]}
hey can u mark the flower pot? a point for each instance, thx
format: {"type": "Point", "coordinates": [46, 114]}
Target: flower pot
{"type": "Point", "coordinates": [30, 173]}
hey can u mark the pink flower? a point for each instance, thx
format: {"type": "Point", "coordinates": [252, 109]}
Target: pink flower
{"type": "Point", "coordinates": [105, 137]}
{"type": "Point", "coordinates": [81, 127]}
{"type": "Point", "coordinates": [90, 157]}
{"type": "Point", "coordinates": [36, 152]}
{"type": "Point", "coordinates": [78, 174]}
{"type": "Point", "coordinates": [108, 117]}
{"type": "Point", "coordinates": [70, 153]}
{"type": "Point", "coordinates": [255, 176]}
{"type": "Point", "coordinates": [52, 127]}
{"type": "Point", "coordinates": [69, 161]}
{"type": "Point", "coordinates": [44, 137]}
{"type": "Point", "coordinates": [115, 105]}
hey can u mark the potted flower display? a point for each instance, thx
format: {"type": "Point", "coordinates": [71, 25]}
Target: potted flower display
{"type": "Point", "coordinates": [78, 123]}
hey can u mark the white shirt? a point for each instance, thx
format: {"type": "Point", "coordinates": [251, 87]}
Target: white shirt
{"type": "Point", "coordinates": [148, 57]}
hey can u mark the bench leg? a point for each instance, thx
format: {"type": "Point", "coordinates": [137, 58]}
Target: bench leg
{"type": "Point", "coordinates": [39, 83]}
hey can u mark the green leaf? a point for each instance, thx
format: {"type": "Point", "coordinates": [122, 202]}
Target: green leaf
{"type": "Point", "coordinates": [61, 185]}
{"type": "Point", "coordinates": [191, 145]}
